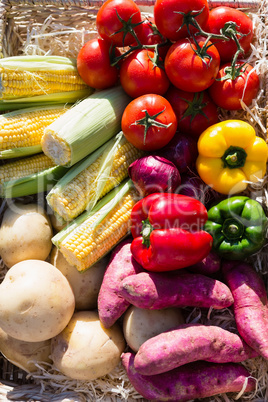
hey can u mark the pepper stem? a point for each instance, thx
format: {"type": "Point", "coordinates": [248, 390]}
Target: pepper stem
{"type": "Point", "coordinates": [234, 157]}
{"type": "Point", "coordinates": [232, 229]}
{"type": "Point", "coordinates": [146, 232]}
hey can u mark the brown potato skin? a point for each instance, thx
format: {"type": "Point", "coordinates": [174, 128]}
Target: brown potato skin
{"type": "Point", "coordinates": [25, 234]}
{"type": "Point", "coordinates": [24, 354]}
{"type": "Point", "coordinates": [85, 285]}
{"type": "Point", "coordinates": [36, 301]}
{"type": "Point", "coordinates": [85, 350]}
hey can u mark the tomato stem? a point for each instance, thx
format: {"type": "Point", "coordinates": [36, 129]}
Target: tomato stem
{"type": "Point", "coordinates": [128, 27]}
{"type": "Point", "coordinates": [229, 31]}
{"type": "Point", "coordinates": [195, 107]}
{"type": "Point", "coordinates": [148, 121]}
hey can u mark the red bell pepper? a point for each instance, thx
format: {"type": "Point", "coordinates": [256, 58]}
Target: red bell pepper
{"type": "Point", "coordinates": [167, 232]}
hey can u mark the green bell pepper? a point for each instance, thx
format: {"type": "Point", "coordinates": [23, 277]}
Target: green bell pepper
{"type": "Point", "coordinates": [238, 226]}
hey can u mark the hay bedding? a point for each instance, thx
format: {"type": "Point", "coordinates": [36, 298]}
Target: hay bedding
{"type": "Point", "coordinates": [62, 27]}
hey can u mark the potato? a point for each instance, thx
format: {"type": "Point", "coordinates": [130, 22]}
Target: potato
{"type": "Point", "coordinates": [36, 301]}
{"type": "Point", "coordinates": [85, 285]}
{"type": "Point", "coordinates": [24, 354]}
{"type": "Point", "coordinates": [85, 350]}
{"type": "Point", "coordinates": [139, 325]}
{"type": "Point", "coordinates": [25, 234]}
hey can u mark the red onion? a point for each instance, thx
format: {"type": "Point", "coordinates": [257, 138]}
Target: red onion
{"type": "Point", "coordinates": [152, 173]}
{"type": "Point", "coordinates": [181, 150]}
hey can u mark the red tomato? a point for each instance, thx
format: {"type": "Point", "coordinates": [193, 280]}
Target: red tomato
{"type": "Point", "coordinates": [139, 75]}
{"type": "Point", "coordinates": [217, 18]}
{"type": "Point", "coordinates": [149, 35]}
{"type": "Point", "coordinates": [169, 16]}
{"type": "Point", "coordinates": [113, 18]}
{"type": "Point", "coordinates": [187, 70]}
{"type": "Point", "coordinates": [195, 112]}
{"type": "Point", "coordinates": [149, 122]}
{"type": "Point", "coordinates": [227, 93]}
{"type": "Point", "coordinates": [93, 64]}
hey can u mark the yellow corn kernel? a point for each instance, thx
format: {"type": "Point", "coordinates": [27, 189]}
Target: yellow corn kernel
{"type": "Point", "coordinates": [88, 242]}
{"type": "Point", "coordinates": [25, 128]}
{"type": "Point", "coordinates": [18, 84]}
{"type": "Point", "coordinates": [73, 199]}
{"type": "Point", "coordinates": [24, 167]}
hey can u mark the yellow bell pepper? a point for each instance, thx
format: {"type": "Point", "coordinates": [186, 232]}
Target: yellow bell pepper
{"type": "Point", "coordinates": [230, 156]}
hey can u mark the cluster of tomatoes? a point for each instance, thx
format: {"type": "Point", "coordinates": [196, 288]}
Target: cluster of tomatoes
{"type": "Point", "coordinates": [179, 65]}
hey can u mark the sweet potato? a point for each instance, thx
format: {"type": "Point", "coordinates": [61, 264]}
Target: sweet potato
{"type": "Point", "coordinates": [250, 304]}
{"type": "Point", "coordinates": [188, 343]}
{"type": "Point", "coordinates": [154, 290]}
{"type": "Point", "coordinates": [194, 380]}
{"type": "Point", "coordinates": [111, 305]}
{"type": "Point", "coordinates": [208, 266]}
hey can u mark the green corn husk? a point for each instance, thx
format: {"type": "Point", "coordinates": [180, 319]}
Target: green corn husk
{"type": "Point", "coordinates": [95, 226]}
{"type": "Point", "coordinates": [70, 97]}
{"type": "Point", "coordinates": [33, 184]}
{"type": "Point", "coordinates": [85, 127]}
{"type": "Point", "coordinates": [93, 177]}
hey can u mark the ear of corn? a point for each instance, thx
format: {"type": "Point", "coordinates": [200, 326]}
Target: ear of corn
{"type": "Point", "coordinates": [22, 130]}
{"type": "Point", "coordinates": [24, 76]}
{"type": "Point", "coordinates": [20, 152]}
{"type": "Point", "coordinates": [89, 180]}
{"type": "Point", "coordinates": [44, 100]}
{"type": "Point", "coordinates": [21, 168]}
{"type": "Point", "coordinates": [35, 183]}
{"type": "Point", "coordinates": [85, 127]}
{"type": "Point", "coordinates": [93, 234]}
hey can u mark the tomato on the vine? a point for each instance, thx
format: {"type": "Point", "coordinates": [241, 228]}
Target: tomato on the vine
{"type": "Point", "coordinates": [149, 122]}
{"type": "Point", "coordinates": [149, 35]}
{"type": "Point", "coordinates": [228, 90]}
{"type": "Point", "coordinates": [195, 111]}
{"type": "Point", "coordinates": [116, 18]}
{"type": "Point", "coordinates": [171, 16]}
{"type": "Point", "coordinates": [218, 17]}
{"type": "Point", "coordinates": [139, 75]}
{"type": "Point", "coordinates": [93, 64]}
{"type": "Point", "coordinates": [192, 64]}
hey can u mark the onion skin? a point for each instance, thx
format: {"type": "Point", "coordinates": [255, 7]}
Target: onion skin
{"type": "Point", "coordinates": [152, 173]}
{"type": "Point", "coordinates": [181, 150]}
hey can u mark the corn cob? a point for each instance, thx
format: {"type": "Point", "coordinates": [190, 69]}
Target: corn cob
{"type": "Point", "coordinates": [95, 233]}
{"type": "Point", "coordinates": [24, 76]}
{"type": "Point", "coordinates": [23, 167]}
{"type": "Point", "coordinates": [35, 183]}
{"type": "Point", "coordinates": [81, 187]}
{"type": "Point", "coordinates": [23, 129]}
{"type": "Point", "coordinates": [44, 100]}
{"type": "Point", "coordinates": [85, 127]}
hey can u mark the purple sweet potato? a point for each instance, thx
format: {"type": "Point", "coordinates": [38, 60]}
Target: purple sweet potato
{"type": "Point", "coordinates": [208, 266]}
{"type": "Point", "coordinates": [188, 343]}
{"type": "Point", "coordinates": [194, 380]}
{"type": "Point", "coordinates": [250, 304]}
{"type": "Point", "coordinates": [111, 305]}
{"type": "Point", "coordinates": [155, 290]}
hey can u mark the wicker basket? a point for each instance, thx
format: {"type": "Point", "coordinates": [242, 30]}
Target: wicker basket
{"type": "Point", "coordinates": [62, 27]}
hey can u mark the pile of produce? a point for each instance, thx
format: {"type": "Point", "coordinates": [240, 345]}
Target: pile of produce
{"type": "Point", "coordinates": [134, 209]}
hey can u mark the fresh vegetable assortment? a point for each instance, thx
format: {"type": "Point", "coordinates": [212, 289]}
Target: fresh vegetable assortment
{"type": "Point", "coordinates": [153, 215]}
